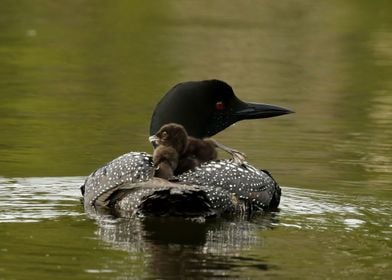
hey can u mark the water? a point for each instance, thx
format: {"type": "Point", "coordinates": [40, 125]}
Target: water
{"type": "Point", "coordinates": [79, 81]}
{"type": "Point", "coordinates": [45, 231]}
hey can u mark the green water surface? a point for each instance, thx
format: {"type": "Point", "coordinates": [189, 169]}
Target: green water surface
{"type": "Point", "coordinates": [79, 81]}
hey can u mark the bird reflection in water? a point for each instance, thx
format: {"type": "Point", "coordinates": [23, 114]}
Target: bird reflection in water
{"type": "Point", "coordinates": [177, 246]}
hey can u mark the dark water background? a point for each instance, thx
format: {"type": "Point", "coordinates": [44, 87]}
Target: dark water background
{"type": "Point", "coordinates": [78, 83]}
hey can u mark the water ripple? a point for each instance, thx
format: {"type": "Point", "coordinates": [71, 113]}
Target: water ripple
{"type": "Point", "coordinates": [320, 210]}
{"type": "Point", "coordinates": [35, 199]}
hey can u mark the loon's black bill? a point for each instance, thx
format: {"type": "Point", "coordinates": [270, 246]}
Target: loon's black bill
{"type": "Point", "coordinates": [260, 111]}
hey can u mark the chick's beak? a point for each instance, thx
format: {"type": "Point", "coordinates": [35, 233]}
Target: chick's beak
{"type": "Point", "coordinates": [154, 140]}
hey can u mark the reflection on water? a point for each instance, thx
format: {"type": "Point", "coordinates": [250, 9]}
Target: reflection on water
{"type": "Point", "coordinates": [217, 247]}
{"type": "Point", "coordinates": [221, 237]}
{"type": "Point", "coordinates": [175, 247]}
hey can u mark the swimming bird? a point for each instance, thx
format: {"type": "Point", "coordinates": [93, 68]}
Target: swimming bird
{"type": "Point", "coordinates": [203, 108]}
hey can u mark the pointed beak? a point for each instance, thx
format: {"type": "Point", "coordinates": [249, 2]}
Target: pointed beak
{"type": "Point", "coordinates": [260, 111]}
{"type": "Point", "coordinates": [154, 140]}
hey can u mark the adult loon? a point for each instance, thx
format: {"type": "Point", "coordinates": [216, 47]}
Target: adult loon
{"type": "Point", "coordinates": [204, 108]}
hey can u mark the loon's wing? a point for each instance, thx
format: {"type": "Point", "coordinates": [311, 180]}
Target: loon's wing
{"type": "Point", "coordinates": [255, 187]}
{"type": "Point", "coordinates": [159, 197]}
{"type": "Point", "coordinates": [132, 167]}
{"type": "Point", "coordinates": [126, 184]}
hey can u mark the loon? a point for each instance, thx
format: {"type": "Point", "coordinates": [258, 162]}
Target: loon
{"type": "Point", "coordinates": [176, 152]}
{"type": "Point", "coordinates": [127, 185]}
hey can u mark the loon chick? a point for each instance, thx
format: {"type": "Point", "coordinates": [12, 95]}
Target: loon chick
{"type": "Point", "coordinates": [198, 151]}
{"type": "Point", "coordinates": [165, 160]}
{"type": "Point", "coordinates": [176, 152]}
{"type": "Point", "coordinates": [203, 108]}
{"type": "Point", "coordinates": [172, 142]}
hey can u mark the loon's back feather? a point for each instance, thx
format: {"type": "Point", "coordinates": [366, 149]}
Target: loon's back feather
{"type": "Point", "coordinates": [256, 187]}
{"type": "Point", "coordinates": [132, 167]}
{"type": "Point", "coordinates": [126, 184]}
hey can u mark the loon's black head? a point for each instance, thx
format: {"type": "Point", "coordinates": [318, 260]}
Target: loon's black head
{"type": "Point", "coordinates": [205, 108]}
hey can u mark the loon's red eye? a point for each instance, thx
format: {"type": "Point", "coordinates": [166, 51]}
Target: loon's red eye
{"type": "Point", "coordinates": [219, 105]}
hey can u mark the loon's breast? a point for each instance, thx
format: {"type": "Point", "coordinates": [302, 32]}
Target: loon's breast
{"type": "Point", "coordinates": [127, 184]}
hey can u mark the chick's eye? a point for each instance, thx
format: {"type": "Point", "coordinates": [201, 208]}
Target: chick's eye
{"type": "Point", "coordinates": [164, 134]}
{"type": "Point", "coordinates": [219, 105]}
